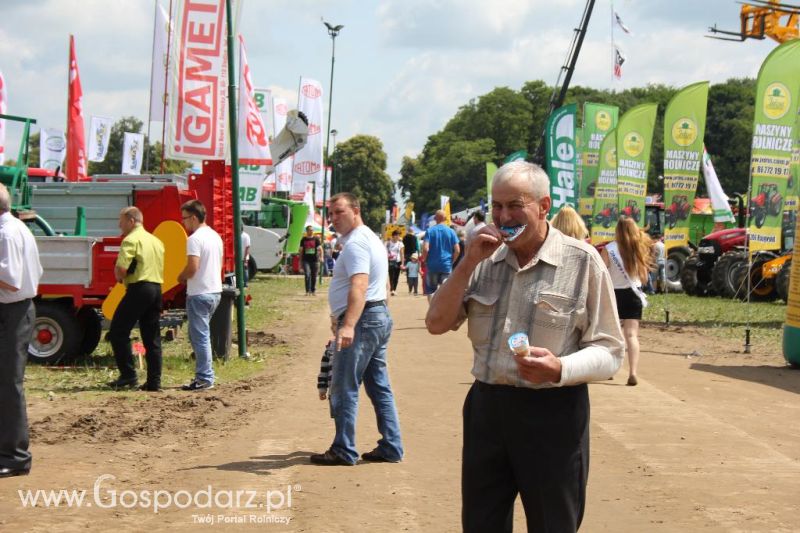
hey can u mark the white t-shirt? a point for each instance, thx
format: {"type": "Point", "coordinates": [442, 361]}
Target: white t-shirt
{"type": "Point", "coordinates": [19, 260]}
{"type": "Point", "coordinates": [245, 245]}
{"type": "Point", "coordinates": [394, 251]}
{"type": "Point", "coordinates": [363, 253]}
{"type": "Point", "coordinates": [206, 244]}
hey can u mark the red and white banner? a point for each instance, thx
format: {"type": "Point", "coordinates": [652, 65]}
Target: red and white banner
{"type": "Point", "coordinates": [3, 110]}
{"type": "Point", "coordinates": [158, 69]}
{"type": "Point", "coordinates": [253, 135]}
{"type": "Point", "coordinates": [198, 88]}
{"type": "Point", "coordinates": [283, 172]}
{"type": "Point", "coordinates": [308, 161]}
{"type": "Point", "coordinates": [76, 135]}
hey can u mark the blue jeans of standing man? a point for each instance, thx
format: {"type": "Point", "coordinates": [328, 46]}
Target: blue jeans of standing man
{"type": "Point", "coordinates": [365, 360]}
{"type": "Point", "coordinates": [199, 309]}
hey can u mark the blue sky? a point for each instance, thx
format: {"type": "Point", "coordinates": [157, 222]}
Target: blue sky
{"type": "Point", "coordinates": [403, 67]}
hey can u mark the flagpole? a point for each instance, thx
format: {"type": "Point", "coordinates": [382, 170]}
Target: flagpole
{"type": "Point", "coordinates": [166, 81]}
{"type": "Point", "coordinates": [69, 94]}
{"type": "Point", "coordinates": [237, 219]}
{"type": "Point", "coordinates": [613, 46]}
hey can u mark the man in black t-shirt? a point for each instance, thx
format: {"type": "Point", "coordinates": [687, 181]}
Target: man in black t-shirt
{"type": "Point", "coordinates": [410, 245]}
{"type": "Point", "coordinates": [310, 252]}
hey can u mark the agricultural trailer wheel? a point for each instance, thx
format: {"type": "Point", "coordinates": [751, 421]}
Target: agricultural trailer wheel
{"type": "Point", "coordinates": [782, 281]}
{"type": "Point", "coordinates": [673, 267]}
{"type": "Point", "coordinates": [689, 280]}
{"type": "Point", "coordinates": [92, 327]}
{"type": "Point", "coordinates": [56, 333]}
{"type": "Point", "coordinates": [722, 276]}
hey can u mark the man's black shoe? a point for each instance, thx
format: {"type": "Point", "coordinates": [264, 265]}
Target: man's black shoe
{"type": "Point", "coordinates": [11, 472]}
{"type": "Point", "coordinates": [124, 383]}
{"type": "Point", "coordinates": [329, 458]}
{"type": "Point", "coordinates": [375, 457]}
{"type": "Point", "coordinates": [150, 388]}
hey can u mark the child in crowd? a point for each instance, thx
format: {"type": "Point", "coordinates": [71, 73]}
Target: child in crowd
{"type": "Point", "coordinates": [412, 273]}
{"type": "Point", "coordinates": [325, 370]}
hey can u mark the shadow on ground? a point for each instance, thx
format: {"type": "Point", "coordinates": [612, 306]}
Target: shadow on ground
{"type": "Point", "coordinates": [262, 465]}
{"type": "Point", "coordinates": [780, 377]}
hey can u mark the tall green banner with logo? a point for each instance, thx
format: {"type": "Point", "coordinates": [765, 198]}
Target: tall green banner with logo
{"type": "Point", "coordinates": [598, 120]}
{"type": "Point", "coordinates": [605, 212]}
{"type": "Point", "coordinates": [579, 161]}
{"type": "Point", "coordinates": [773, 138]}
{"type": "Point", "coordinates": [684, 128]}
{"type": "Point", "coordinates": [634, 141]}
{"type": "Point", "coordinates": [560, 156]}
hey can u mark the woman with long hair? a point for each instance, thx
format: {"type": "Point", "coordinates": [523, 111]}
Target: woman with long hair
{"type": "Point", "coordinates": [569, 222]}
{"type": "Point", "coordinates": [629, 260]}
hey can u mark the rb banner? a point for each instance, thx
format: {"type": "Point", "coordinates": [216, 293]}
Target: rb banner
{"type": "Point", "coordinates": [598, 121]}
{"type": "Point", "coordinates": [560, 156]}
{"type": "Point", "coordinates": [605, 212]}
{"type": "Point", "coordinates": [634, 141]}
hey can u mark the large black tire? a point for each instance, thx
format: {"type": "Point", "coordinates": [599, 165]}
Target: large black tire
{"type": "Point", "coordinates": [92, 327]}
{"type": "Point", "coordinates": [760, 217]}
{"type": "Point", "coordinates": [760, 289]}
{"type": "Point", "coordinates": [676, 259]}
{"type": "Point", "coordinates": [56, 334]}
{"type": "Point", "coordinates": [782, 281]}
{"type": "Point", "coordinates": [252, 268]}
{"type": "Point", "coordinates": [722, 276]}
{"type": "Point", "coordinates": [689, 280]}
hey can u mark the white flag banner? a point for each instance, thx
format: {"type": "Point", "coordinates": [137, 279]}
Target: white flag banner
{"type": "Point", "coordinates": [443, 201]}
{"type": "Point", "coordinates": [158, 68]}
{"type": "Point", "coordinates": [3, 110]}
{"type": "Point", "coordinates": [132, 152]}
{"type": "Point", "coordinates": [321, 185]}
{"type": "Point", "coordinates": [308, 161]}
{"type": "Point", "coordinates": [253, 136]}
{"type": "Point", "coordinates": [198, 81]}
{"type": "Point", "coordinates": [308, 199]}
{"type": "Point", "coordinates": [283, 172]}
{"type": "Point", "coordinates": [99, 136]}
{"type": "Point", "coordinates": [52, 148]}
{"type": "Point", "coordinates": [719, 200]}
{"type": "Point", "coordinates": [250, 187]}
{"type": "Point", "coordinates": [263, 99]}
{"type": "Point", "coordinates": [621, 24]}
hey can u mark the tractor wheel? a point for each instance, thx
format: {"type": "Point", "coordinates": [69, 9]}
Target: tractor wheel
{"type": "Point", "coordinates": [782, 281]}
{"type": "Point", "coordinates": [760, 217]}
{"type": "Point", "coordinates": [92, 327]}
{"type": "Point", "coordinates": [56, 334]}
{"type": "Point", "coordinates": [674, 267]}
{"type": "Point", "coordinates": [759, 288]}
{"type": "Point", "coordinates": [722, 279]}
{"type": "Point", "coordinates": [689, 280]}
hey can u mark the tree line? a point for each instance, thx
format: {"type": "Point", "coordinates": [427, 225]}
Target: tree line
{"type": "Point", "coordinates": [503, 121]}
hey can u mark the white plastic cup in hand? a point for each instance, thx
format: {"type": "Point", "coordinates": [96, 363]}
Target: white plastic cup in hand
{"type": "Point", "coordinates": [518, 342]}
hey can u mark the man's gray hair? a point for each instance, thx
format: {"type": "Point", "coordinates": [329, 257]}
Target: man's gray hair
{"type": "Point", "coordinates": [5, 199]}
{"type": "Point", "coordinates": [536, 180]}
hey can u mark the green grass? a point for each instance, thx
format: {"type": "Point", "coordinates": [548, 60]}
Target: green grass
{"type": "Point", "coordinates": [722, 318]}
{"type": "Point", "coordinates": [276, 302]}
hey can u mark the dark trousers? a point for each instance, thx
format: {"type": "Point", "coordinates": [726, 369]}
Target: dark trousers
{"type": "Point", "coordinates": [413, 284]}
{"type": "Point", "coordinates": [142, 303]}
{"type": "Point", "coordinates": [394, 275]}
{"type": "Point", "coordinates": [534, 443]}
{"type": "Point", "coordinates": [311, 269]}
{"type": "Point", "coordinates": [16, 327]}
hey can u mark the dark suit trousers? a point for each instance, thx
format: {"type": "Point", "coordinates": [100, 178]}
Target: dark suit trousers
{"type": "Point", "coordinates": [16, 327]}
{"type": "Point", "coordinates": [534, 443]}
{"type": "Point", "coordinates": [142, 303]}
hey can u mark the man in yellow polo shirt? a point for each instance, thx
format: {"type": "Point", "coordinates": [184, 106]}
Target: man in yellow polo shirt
{"type": "Point", "coordinates": [140, 266]}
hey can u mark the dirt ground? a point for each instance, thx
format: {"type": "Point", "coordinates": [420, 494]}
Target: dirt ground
{"type": "Point", "coordinates": [708, 441]}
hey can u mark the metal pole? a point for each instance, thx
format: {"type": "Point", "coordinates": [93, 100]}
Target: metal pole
{"type": "Point", "coordinates": [333, 32]}
{"type": "Point", "coordinates": [164, 96]}
{"type": "Point", "coordinates": [237, 219]}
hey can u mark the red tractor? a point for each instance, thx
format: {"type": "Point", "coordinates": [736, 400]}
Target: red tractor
{"type": "Point", "coordinates": [631, 210]}
{"type": "Point", "coordinates": [768, 201]}
{"type": "Point", "coordinates": [678, 210]}
{"type": "Point", "coordinates": [607, 215]}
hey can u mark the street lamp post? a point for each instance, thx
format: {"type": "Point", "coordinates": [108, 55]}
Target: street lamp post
{"type": "Point", "coordinates": [333, 31]}
{"type": "Point", "coordinates": [334, 188]}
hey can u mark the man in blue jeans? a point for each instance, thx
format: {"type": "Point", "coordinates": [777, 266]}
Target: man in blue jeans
{"type": "Point", "coordinates": [438, 253]}
{"type": "Point", "coordinates": [362, 325]}
{"type": "Point", "coordinates": [203, 277]}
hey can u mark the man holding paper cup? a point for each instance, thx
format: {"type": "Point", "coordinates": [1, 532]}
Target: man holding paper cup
{"type": "Point", "coordinates": [526, 417]}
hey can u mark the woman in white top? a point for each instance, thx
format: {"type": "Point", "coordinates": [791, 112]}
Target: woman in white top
{"type": "Point", "coordinates": [629, 261]}
{"type": "Point", "coordinates": [394, 249]}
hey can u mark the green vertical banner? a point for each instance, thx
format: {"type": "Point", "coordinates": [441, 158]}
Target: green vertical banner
{"type": "Point", "coordinates": [604, 211]}
{"type": "Point", "coordinates": [598, 120]}
{"type": "Point", "coordinates": [634, 141]}
{"type": "Point", "coordinates": [793, 187]}
{"type": "Point", "coordinates": [491, 168]}
{"type": "Point", "coordinates": [560, 156]}
{"type": "Point", "coordinates": [773, 137]}
{"type": "Point", "coordinates": [579, 161]}
{"type": "Point", "coordinates": [519, 155]}
{"type": "Point", "coordinates": [684, 128]}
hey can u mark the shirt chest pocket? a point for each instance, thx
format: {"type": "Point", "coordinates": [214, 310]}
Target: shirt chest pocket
{"type": "Point", "coordinates": [552, 317]}
{"type": "Point", "coordinates": [480, 319]}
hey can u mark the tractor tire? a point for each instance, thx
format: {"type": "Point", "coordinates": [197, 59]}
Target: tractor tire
{"type": "Point", "coordinates": [92, 326]}
{"type": "Point", "coordinates": [760, 217]}
{"type": "Point", "coordinates": [56, 334]}
{"type": "Point", "coordinates": [782, 281]}
{"type": "Point", "coordinates": [759, 289]}
{"type": "Point", "coordinates": [722, 279]}
{"type": "Point", "coordinates": [674, 267]}
{"type": "Point", "coordinates": [689, 280]}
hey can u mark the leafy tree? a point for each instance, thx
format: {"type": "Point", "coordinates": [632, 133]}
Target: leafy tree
{"type": "Point", "coordinates": [361, 169]}
{"type": "Point", "coordinates": [408, 169]}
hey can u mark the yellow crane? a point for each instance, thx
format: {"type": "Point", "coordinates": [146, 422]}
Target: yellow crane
{"type": "Point", "coordinates": [764, 18]}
